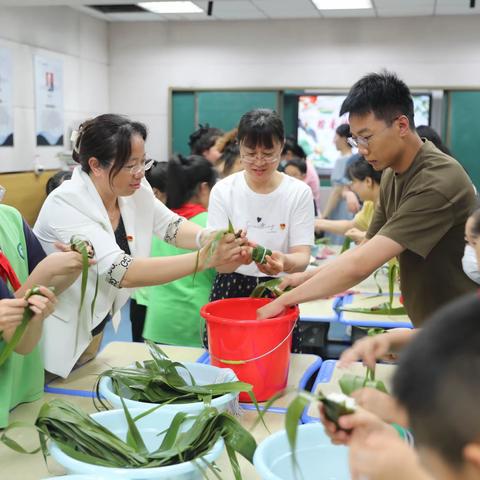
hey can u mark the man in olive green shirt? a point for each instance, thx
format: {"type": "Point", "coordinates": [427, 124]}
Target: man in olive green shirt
{"type": "Point", "coordinates": [425, 199]}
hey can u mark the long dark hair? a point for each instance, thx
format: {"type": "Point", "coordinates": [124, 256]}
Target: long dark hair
{"type": "Point", "coordinates": [107, 138]}
{"type": "Point", "coordinates": [185, 174]}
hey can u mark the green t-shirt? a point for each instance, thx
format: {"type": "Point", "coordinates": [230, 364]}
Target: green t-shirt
{"type": "Point", "coordinates": [173, 309]}
{"type": "Point", "coordinates": [21, 376]}
{"type": "Point", "coordinates": [425, 209]}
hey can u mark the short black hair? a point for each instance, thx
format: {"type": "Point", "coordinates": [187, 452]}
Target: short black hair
{"type": "Point", "coordinates": [57, 179]}
{"type": "Point", "coordinates": [291, 145]}
{"type": "Point", "coordinates": [437, 380]}
{"type": "Point", "coordinates": [343, 130]}
{"type": "Point", "coordinates": [300, 163]}
{"type": "Point", "coordinates": [475, 216]}
{"type": "Point", "coordinates": [360, 169]}
{"type": "Point", "coordinates": [203, 138]}
{"type": "Point", "coordinates": [260, 127]}
{"type": "Point", "coordinates": [383, 94]}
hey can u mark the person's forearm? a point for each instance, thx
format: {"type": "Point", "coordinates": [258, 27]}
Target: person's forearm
{"type": "Point", "coordinates": [41, 275]}
{"type": "Point", "coordinates": [30, 338]}
{"type": "Point", "coordinates": [295, 262]}
{"type": "Point", "coordinates": [399, 338]}
{"type": "Point", "coordinates": [333, 200]}
{"type": "Point", "coordinates": [145, 272]}
{"type": "Point", "coordinates": [187, 235]}
{"type": "Point", "coordinates": [334, 277]}
{"type": "Point", "coordinates": [338, 227]}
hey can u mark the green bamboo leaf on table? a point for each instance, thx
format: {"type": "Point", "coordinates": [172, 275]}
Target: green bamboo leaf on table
{"type": "Point", "coordinates": [10, 346]}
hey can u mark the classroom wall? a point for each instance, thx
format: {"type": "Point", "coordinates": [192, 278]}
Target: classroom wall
{"type": "Point", "coordinates": [148, 58]}
{"type": "Point", "coordinates": [81, 42]}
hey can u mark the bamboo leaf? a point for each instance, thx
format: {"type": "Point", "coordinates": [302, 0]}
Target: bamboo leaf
{"type": "Point", "coordinates": [346, 244]}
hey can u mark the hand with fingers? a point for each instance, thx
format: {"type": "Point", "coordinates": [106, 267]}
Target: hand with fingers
{"type": "Point", "coordinates": [42, 305]}
{"type": "Point", "coordinates": [381, 456]}
{"type": "Point", "coordinates": [11, 312]}
{"type": "Point", "coordinates": [381, 404]}
{"type": "Point", "coordinates": [356, 425]}
{"type": "Point", "coordinates": [372, 348]}
{"type": "Point", "coordinates": [222, 249]}
{"type": "Point", "coordinates": [273, 264]}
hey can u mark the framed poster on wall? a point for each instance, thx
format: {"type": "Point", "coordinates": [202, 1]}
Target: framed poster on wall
{"type": "Point", "coordinates": [318, 118]}
{"type": "Point", "coordinates": [6, 102]}
{"type": "Point", "coordinates": [49, 101]}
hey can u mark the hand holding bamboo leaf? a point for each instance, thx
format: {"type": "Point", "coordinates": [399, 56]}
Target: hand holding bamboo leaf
{"type": "Point", "coordinates": [40, 302]}
{"type": "Point", "coordinates": [371, 348]}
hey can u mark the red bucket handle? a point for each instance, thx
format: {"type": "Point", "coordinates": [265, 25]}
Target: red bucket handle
{"type": "Point", "coordinates": [254, 359]}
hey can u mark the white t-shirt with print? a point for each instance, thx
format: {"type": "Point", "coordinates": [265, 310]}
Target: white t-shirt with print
{"type": "Point", "coordinates": [278, 220]}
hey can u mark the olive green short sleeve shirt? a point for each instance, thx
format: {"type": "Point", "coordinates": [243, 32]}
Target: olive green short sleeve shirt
{"type": "Point", "coordinates": [425, 209]}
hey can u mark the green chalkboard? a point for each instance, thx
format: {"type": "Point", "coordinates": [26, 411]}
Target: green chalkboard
{"type": "Point", "coordinates": [183, 121]}
{"type": "Point", "coordinates": [463, 131]}
{"type": "Point", "coordinates": [224, 109]}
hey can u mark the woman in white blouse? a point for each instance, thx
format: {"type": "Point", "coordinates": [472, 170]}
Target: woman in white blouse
{"type": "Point", "coordinates": [108, 202]}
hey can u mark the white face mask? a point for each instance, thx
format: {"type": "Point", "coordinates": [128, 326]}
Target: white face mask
{"type": "Point", "coordinates": [470, 264]}
{"type": "Point", "coordinates": [2, 192]}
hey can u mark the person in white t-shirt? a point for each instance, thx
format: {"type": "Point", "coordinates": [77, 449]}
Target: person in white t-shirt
{"type": "Point", "coordinates": [275, 210]}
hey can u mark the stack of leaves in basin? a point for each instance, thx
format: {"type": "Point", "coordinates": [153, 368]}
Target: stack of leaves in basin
{"type": "Point", "coordinates": [187, 438]}
{"type": "Point", "coordinates": [159, 381]}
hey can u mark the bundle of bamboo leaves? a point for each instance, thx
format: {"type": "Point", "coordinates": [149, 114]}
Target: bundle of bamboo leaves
{"type": "Point", "coordinates": [187, 438]}
{"type": "Point", "coordinates": [159, 381]}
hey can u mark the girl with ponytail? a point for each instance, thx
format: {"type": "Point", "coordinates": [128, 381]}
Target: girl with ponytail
{"type": "Point", "coordinates": [173, 309]}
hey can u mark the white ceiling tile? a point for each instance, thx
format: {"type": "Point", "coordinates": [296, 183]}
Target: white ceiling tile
{"type": "Point", "coordinates": [134, 17]}
{"type": "Point", "coordinates": [405, 12]}
{"type": "Point", "coordinates": [458, 8]}
{"type": "Point", "coordinates": [286, 9]}
{"type": "Point", "coordinates": [403, 4]}
{"type": "Point", "coordinates": [364, 12]}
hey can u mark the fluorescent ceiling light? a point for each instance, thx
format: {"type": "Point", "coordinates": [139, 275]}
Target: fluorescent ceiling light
{"type": "Point", "coordinates": [342, 4]}
{"type": "Point", "coordinates": [170, 7]}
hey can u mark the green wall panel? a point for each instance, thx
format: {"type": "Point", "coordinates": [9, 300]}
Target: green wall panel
{"type": "Point", "coordinates": [224, 109]}
{"type": "Point", "coordinates": [183, 121]}
{"type": "Point", "coordinates": [463, 131]}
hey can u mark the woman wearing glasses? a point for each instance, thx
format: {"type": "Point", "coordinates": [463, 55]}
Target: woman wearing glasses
{"type": "Point", "coordinates": [275, 210]}
{"type": "Point", "coordinates": [108, 202]}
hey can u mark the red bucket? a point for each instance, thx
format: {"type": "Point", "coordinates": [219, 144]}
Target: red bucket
{"type": "Point", "coordinates": [261, 347]}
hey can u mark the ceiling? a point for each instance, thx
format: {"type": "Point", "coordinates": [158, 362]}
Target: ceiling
{"type": "Point", "coordinates": [267, 9]}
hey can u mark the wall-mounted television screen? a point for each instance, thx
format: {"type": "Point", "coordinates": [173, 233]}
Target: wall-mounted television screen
{"type": "Point", "coordinates": [318, 118]}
